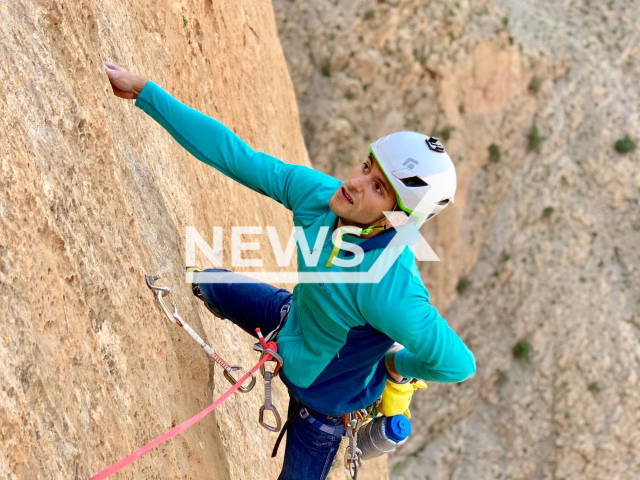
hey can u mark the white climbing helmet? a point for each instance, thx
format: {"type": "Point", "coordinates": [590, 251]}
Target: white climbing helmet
{"type": "Point", "coordinates": [419, 169]}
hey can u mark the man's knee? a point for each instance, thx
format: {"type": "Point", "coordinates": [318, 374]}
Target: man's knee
{"type": "Point", "coordinates": [210, 293]}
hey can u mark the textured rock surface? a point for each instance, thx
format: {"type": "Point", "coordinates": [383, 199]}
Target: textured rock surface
{"type": "Point", "coordinates": [564, 279]}
{"type": "Point", "coordinates": [93, 195]}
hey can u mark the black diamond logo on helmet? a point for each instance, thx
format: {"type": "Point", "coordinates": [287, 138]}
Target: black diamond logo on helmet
{"type": "Point", "coordinates": [410, 163]}
{"type": "Point", "coordinates": [434, 144]}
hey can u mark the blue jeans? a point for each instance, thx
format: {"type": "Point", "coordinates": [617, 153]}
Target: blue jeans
{"type": "Point", "coordinates": [309, 452]}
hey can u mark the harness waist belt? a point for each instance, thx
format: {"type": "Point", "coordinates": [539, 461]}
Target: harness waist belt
{"type": "Point", "coordinates": [337, 430]}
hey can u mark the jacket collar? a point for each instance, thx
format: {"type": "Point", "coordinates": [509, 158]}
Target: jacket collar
{"type": "Point", "coordinates": [379, 241]}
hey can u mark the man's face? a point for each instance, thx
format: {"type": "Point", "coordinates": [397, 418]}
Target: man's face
{"type": "Point", "coordinates": [363, 197]}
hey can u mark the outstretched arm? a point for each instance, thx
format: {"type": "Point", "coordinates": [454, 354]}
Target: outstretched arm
{"type": "Point", "coordinates": [214, 144]}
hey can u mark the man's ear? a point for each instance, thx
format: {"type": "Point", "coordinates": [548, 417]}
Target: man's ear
{"type": "Point", "coordinates": [399, 218]}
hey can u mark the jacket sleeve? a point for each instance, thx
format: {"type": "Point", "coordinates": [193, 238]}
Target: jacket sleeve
{"type": "Point", "coordinates": [216, 145]}
{"type": "Point", "coordinates": [399, 307]}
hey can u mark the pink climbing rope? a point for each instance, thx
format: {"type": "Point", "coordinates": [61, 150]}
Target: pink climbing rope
{"type": "Point", "coordinates": [180, 428]}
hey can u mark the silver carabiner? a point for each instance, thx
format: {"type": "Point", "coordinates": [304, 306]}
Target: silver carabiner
{"type": "Point", "coordinates": [269, 406]}
{"type": "Point", "coordinates": [174, 318]}
{"type": "Point", "coordinates": [160, 293]}
{"type": "Point", "coordinates": [276, 358]}
{"type": "Point", "coordinates": [352, 462]}
{"type": "Point", "coordinates": [352, 454]}
{"type": "Point", "coordinates": [228, 374]}
{"type": "Point", "coordinates": [275, 414]}
{"type": "Point", "coordinates": [258, 347]}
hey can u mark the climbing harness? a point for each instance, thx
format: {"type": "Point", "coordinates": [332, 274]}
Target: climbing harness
{"type": "Point", "coordinates": [351, 424]}
{"type": "Point", "coordinates": [269, 352]}
{"type": "Point", "coordinates": [229, 370]}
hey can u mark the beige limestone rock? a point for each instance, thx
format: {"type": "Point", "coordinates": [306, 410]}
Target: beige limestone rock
{"type": "Point", "coordinates": [93, 195]}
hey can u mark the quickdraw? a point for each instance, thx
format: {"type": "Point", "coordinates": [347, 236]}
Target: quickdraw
{"type": "Point", "coordinates": [353, 455]}
{"type": "Point", "coordinates": [268, 348]}
{"type": "Point", "coordinates": [229, 370]}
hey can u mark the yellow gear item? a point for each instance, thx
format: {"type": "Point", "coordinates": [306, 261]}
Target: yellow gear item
{"type": "Point", "coordinates": [397, 397]}
{"type": "Point", "coordinates": [336, 249]}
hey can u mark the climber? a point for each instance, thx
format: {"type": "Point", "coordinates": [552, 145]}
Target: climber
{"type": "Point", "coordinates": [342, 343]}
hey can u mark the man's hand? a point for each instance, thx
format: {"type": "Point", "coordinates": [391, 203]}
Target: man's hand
{"type": "Point", "coordinates": [125, 84]}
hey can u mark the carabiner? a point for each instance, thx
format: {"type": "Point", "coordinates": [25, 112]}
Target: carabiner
{"type": "Point", "coordinates": [352, 455]}
{"type": "Point", "coordinates": [262, 347]}
{"type": "Point", "coordinates": [228, 374]}
{"type": "Point", "coordinates": [177, 320]}
{"type": "Point", "coordinates": [160, 293]}
{"type": "Point", "coordinates": [276, 358]}
{"type": "Point", "coordinates": [269, 406]}
{"type": "Point", "coordinates": [275, 414]}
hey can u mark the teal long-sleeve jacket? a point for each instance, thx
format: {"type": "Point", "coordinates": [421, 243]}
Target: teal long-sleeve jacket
{"type": "Point", "coordinates": [334, 342]}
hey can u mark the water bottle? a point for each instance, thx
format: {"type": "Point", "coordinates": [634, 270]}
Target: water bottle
{"type": "Point", "coordinates": [383, 435]}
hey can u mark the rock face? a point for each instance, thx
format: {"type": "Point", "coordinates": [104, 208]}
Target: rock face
{"type": "Point", "coordinates": [93, 195]}
{"type": "Point", "coordinates": [540, 249]}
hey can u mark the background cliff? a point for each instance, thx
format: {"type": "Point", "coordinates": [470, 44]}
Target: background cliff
{"type": "Point", "coordinates": [539, 255]}
{"type": "Point", "coordinates": [93, 195]}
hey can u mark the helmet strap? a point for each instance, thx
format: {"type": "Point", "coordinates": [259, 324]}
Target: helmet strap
{"type": "Point", "coordinates": [368, 230]}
